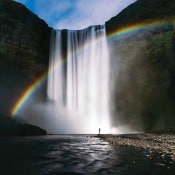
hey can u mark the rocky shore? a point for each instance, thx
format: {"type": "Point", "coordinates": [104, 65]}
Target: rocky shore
{"type": "Point", "coordinates": [164, 144]}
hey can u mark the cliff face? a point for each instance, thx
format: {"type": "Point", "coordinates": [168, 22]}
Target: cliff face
{"type": "Point", "coordinates": [24, 38]}
{"type": "Point", "coordinates": [143, 66]}
{"type": "Point", "coordinates": [24, 50]}
{"type": "Point", "coordinates": [142, 10]}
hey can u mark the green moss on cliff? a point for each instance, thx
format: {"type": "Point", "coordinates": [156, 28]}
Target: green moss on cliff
{"type": "Point", "coordinates": [146, 67]}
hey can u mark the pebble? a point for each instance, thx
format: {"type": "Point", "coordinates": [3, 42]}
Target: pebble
{"type": "Point", "coordinates": [164, 144]}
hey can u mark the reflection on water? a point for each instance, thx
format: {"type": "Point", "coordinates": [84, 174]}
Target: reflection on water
{"type": "Point", "coordinates": [76, 154]}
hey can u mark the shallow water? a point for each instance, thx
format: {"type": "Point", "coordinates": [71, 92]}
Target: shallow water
{"type": "Point", "coordinates": [76, 154]}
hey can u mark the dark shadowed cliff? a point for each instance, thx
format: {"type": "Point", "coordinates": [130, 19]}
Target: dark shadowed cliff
{"type": "Point", "coordinates": [24, 50]}
{"type": "Point", "coordinates": [9, 127]}
{"type": "Point", "coordinates": [144, 62]}
{"type": "Point", "coordinates": [24, 38]}
{"type": "Point", "coordinates": [24, 55]}
{"type": "Point", "coordinates": [142, 10]}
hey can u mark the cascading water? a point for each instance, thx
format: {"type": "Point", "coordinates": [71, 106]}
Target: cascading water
{"type": "Point", "coordinates": [79, 79]}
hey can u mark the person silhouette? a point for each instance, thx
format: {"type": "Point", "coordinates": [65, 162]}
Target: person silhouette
{"type": "Point", "coordinates": [99, 131]}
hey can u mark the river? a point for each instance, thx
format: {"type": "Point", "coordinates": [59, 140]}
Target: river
{"type": "Point", "coordinates": [76, 154]}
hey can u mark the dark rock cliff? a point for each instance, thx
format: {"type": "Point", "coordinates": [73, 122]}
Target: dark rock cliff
{"type": "Point", "coordinates": [24, 55]}
{"type": "Point", "coordinates": [24, 50]}
{"type": "Point", "coordinates": [142, 10]}
{"type": "Point", "coordinates": [24, 38]}
{"type": "Point", "coordinates": [144, 62]}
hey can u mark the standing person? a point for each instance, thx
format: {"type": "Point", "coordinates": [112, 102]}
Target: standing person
{"type": "Point", "coordinates": [99, 131]}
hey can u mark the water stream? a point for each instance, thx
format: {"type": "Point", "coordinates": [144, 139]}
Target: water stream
{"type": "Point", "coordinates": [76, 154]}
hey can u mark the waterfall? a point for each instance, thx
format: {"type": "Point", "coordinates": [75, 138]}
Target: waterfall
{"type": "Point", "coordinates": [79, 77]}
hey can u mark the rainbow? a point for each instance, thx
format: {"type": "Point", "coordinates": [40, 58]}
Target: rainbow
{"type": "Point", "coordinates": [28, 92]}
{"type": "Point", "coordinates": [139, 26]}
{"type": "Point", "coordinates": [122, 31]}
{"type": "Point", "coordinates": [26, 95]}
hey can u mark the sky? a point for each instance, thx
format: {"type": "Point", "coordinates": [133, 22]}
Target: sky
{"type": "Point", "coordinates": [75, 14]}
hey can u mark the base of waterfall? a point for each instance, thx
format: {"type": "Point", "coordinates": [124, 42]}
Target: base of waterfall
{"type": "Point", "coordinates": [57, 119]}
{"type": "Point", "coordinates": [162, 144]}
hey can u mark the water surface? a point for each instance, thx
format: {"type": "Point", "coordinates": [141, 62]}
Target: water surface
{"type": "Point", "coordinates": [76, 154]}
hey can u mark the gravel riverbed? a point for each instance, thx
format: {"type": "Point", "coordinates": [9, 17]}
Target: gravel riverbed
{"type": "Point", "coordinates": [163, 144]}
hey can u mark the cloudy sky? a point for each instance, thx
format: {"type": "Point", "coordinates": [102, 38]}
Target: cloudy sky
{"type": "Point", "coordinates": [75, 14]}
